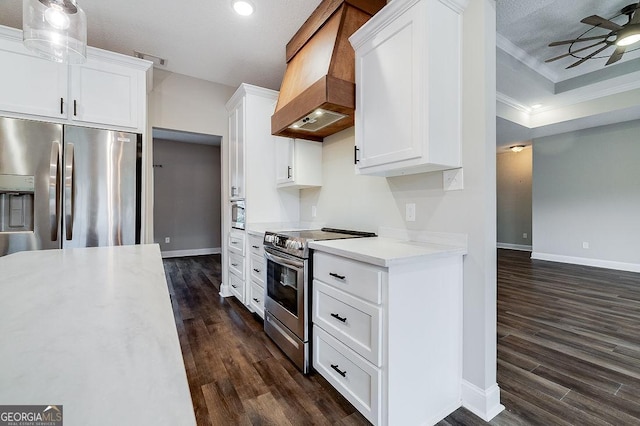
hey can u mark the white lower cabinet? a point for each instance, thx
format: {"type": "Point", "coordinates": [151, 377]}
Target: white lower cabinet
{"type": "Point", "coordinates": [354, 377]}
{"type": "Point", "coordinates": [256, 301]}
{"type": "Point", "coordinates": [389, 339]}
{"type": "Point", "coordinates": [236, 286]}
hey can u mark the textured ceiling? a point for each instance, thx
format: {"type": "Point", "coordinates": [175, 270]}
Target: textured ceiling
{"type": "Point", "coordinates": [532, 25]}
{"type": "Point", "coordinates": [199, 38]}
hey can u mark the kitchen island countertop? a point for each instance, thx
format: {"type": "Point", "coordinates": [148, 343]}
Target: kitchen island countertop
{"type": "Point", "coordinates": [92, 330]}
{"type": "Point", "coordinates": [386, 252]}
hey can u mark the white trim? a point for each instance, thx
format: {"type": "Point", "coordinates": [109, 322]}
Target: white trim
{"type": "Point", "coordinates": [225, 291]}
{"type": "Point", "coordinates": [598, 263]}
{"type": "Point", "coordinates": [245, 89]}
{"type": "Point", "coordinates": [510, 246]}
{"type": "Point", "coordinates": [457, 6]}
{"type": "Point", "coordinates": [192, 252]}
{"type": "Point", "coordinates": [483, 403]}
{"type": "Point", "coordinates": [512, 50]}
{"type": "Point", "coordinates": [508, 101]}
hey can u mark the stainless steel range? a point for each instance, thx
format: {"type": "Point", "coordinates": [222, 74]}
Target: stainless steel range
{"type": "Point", "coordinates": [289, 276]}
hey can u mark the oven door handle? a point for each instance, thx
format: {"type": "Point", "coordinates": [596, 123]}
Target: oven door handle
{"type": "Point", "coordinates": [284, 261]}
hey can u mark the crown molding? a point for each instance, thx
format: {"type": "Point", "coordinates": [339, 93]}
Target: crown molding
{"type": "Point", "coordinates": [511, 49]}
{"type": "Point", "coordinates": [510, 102]}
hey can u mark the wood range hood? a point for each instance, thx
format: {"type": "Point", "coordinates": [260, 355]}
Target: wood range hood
{"type": "Point", "coordinates": [318, 92]}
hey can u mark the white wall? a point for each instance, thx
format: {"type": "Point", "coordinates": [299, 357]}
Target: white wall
{"type": "Point", "coordinates": [586, 188]}
{"type": "Point", "coordinates": [513, 177]}
{"type": "Point", "coordinates": [364, 202]}
{"type": "Point", "coordinates": [179, 102]}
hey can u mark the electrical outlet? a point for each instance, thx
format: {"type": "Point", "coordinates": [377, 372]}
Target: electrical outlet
{"type": "Point", "coordinates": [167, 240]}
{"type": "Point", "coordinates": [410, 214]}
{"type": "Point", "coordinates": [524, 235]}
{"type": "Point", "coordinates": [314, 211]}
{"type": "Point", "coordinates": [585, 245]}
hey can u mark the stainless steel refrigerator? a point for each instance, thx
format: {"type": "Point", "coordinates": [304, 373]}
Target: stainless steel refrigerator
{"type": "Point", "coordinates": [65, 186]}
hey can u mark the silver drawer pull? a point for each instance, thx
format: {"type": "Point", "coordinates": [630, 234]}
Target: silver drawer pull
{"type": "Point", "coordinates": [234, 286]}
{"type": "Point", "coordinates": [339, 318]}
{"type": "Point", "coordinates": [255, 247]}
{"type": "Point", "coordinates": [257, 270]}
{"type": "Point", "coordinates": [234, 264]}
{"type": "Point", "coordinates": [234, 242]}
{"type": "Point", "coordinates": [342, 373]}
{"type": "Point", "coordinates": [256, 300]}
{"type": "Point", "coordinates": [340, 277]}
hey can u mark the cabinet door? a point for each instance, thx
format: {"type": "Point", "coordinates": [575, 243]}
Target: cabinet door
{"type": "Point", "coordinates": [236, 151]}
{"type": "Point", "coordinates": [285, 154]}
{"type": "Point", "coordinates": [389, 91]}
{"type": "Point", "coordinates": [31, 85]}
{"type": "Point", "coordinates": [104, 93]}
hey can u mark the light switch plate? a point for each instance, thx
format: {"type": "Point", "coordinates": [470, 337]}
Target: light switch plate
{"type": "Point", "coordinates": [452, 180]}
{"type": "Point", "coordinates": [410, 215]}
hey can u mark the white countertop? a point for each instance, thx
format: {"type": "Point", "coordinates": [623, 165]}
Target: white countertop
{"type": "Point", "coordinates": [93, 330]}
{"type": "Point", "coordinates": [261, 228]}
{"type": "Point", "coordinates": [387, 252]}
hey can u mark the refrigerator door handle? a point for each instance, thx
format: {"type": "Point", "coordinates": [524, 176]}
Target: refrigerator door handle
{"type": "Point", "coordinates": [69, 191]}
{"type": "Point", "coordinates": [54, 189]}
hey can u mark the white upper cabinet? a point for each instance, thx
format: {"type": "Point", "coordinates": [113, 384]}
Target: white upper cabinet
{"type": "Point", "coordinates": [105, 93]}
{"type": "Point", "coordinates": [108, 90]}
{"type": "Point", "coordinates": [236, 150]}
{"type": "Point", "coordinates": [29, 84]}
{"type": "Point", "coordinates": [298, 163]}
{"type": "Point", "coordinates": [408, 80]}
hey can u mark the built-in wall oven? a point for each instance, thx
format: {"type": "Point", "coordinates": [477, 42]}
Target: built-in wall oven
{"type": "Point", "coordinates": [289, 281]}
{"type": "Point", "coordinates": [238, 214]}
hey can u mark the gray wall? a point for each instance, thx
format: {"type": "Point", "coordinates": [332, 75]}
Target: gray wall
{"type": "Point", "coordinates": [586, 188]}
{"type": "Point", "coordinates": [186, 195]}
{"type": "Point", "coordinates": [513, 193]}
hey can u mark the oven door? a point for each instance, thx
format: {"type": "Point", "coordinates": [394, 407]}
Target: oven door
{"type": "Point", "coordinates": [286, 290]}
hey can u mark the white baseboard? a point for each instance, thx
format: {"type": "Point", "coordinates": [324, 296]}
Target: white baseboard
{"type": "Point", "coordinates": [598, 263]}
{"type": "Point", "coordinates": [192, 252]}
{"type": "Point", "coordinates": [484, 403]}
{"type": "Point", "coordinates": [514, 246]}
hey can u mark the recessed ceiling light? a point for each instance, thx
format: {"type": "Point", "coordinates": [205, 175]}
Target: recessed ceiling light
{"type": "Point", "coordinates": [243, 7]}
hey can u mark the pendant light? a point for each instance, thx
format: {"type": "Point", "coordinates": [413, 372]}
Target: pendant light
{"type": "Point", "coordinates": [55, 29]}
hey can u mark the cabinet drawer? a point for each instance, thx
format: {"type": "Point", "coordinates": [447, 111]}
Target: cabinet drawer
{"type": "Point", "coordinates": [255, 244]}
{"type": "Point", "coordinates": [353, 277]}
{"type": "Point", "coordinates": [356, 323]}
{"type": "Point", "coordinates": [352, 376]}
{"type": "Point", "coordinates": [236, 285]}
{"type": "Point", "coordinates": [236, 265]}
{"type": "Point", "coordinates": [236, 243]}
{"type": "Point", "coordinates": [258, 269]}
{"type": "Point", "coordinates": [256, 298]}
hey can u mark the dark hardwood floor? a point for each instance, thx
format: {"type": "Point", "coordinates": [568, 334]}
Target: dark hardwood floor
{"type": "Point", "coordinates": [568, 351]}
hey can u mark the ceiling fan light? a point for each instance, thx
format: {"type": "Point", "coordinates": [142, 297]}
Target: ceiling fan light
{"type": "Point", "coordinates": [629, 35]}
{"type": "Point", "coordinates": [55, 30]}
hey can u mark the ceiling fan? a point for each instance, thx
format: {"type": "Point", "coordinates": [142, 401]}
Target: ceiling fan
{"type": "Point", "coordinates": [620, 36]}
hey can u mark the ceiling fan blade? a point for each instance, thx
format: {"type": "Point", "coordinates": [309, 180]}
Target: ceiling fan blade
{"type": "Point", "coordinates": [635, 19]}
{"type": "Point", "coordinates": [575, 40]}
{"type": "Point", "coordinates": [598, 21]}
{"type": "Point", "coordinates": [572, 52]}
{"type": "Point", "coordinates": [575, 64]}
{"type": "Point", "coordinates": [616, 55]}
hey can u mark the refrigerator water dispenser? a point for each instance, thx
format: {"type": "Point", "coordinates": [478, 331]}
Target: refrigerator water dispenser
{"type": "Point", "coordinates": [16, 203]}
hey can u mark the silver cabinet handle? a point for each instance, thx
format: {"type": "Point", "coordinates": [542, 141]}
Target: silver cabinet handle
{"type": "Point", "coordinates": [69, 191]}
{"type": "Point", "coordinates": [342, 373]}
{"type": "Point", "coordinates": [54, 189]}
{"type": "Point", "coordinates": [234, 264]}
{"type": "Point", "coordinates": [288, 172]}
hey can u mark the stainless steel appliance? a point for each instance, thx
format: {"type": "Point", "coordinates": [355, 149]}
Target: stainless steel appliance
{"type": "Point", "coordinates": [65, 186]}
{"type": "Point", "coordinates": [238, 214]}
{"type": "Point", "coordinates": [289, 278]}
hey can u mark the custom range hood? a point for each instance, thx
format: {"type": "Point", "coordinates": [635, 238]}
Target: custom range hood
{"type": "Point", "coordinates": [317, 97]}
